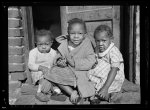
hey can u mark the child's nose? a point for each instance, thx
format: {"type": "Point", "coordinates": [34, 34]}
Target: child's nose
{"type": "Point", "coordinates": [76, 35]}
{"type": "Point", "coordinates": [100, 43]}
{"type": "Point", "coordinates": [43, 46]}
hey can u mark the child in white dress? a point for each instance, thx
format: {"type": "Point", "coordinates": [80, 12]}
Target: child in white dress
{"type": "Point", "coordinates": [108, 73]}
{"type": "Point", "coordinates": [41, 59]}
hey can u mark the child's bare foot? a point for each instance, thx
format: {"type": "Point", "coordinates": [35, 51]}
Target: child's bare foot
{"type": "Point", "coordinates": [75, 98]}
{"type": "Point", "coordinates": [106, 98]}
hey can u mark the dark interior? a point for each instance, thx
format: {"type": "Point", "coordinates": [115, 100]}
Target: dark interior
{"type": "Point", "coordinates": [47, 17]}
{"type": "Point", "coordinates": [124, 37]}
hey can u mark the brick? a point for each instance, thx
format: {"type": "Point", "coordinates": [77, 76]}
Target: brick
{"type": "Point", "coordinates": [18, 76]}
{"type": "Point", "coordinates": [15, 41]}
{"type": "Point", "coordinates": [13, 85]}
{"type": "Point", "coordinates": [13, 13]}
{"type": "Point", "coordinates": [12, 32]}
{"type": "Point", "coordinates": [16, 50]}
{"type": "Point", "coordinates": [14, 67]}
{"type": "Point", "coordinates": [16, 59]}
{"type": "Point", "coordinates": [13, 23]}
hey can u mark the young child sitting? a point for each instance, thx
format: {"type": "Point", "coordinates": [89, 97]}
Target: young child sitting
{"type": "Point", "coordinates": [41, 59]}
{"type": "Point", "coordinates": [76, 58]}
{"type": "Point", "coordinates": [108, 73]}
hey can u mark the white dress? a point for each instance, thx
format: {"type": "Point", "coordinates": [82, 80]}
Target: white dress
{"type": "Point", "coordinates": [111, 57]}
{"type": "Point", "coordinates": [36, 58]}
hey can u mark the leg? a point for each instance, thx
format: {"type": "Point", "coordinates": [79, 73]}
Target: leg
{"type": "Point", "coordinates": [46, 85]}
{"type": "Point", "coordinates": [74, 97]}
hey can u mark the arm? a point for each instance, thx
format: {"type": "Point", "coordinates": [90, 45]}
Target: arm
{"type": "Point", "coordinates": [115, 61]}
{"type": "Point", "coordinates": [31, 62]}
{"type": "Point", "coordinates": [104, 90]}
{"type": "Point", "coordinates": [110, 78]}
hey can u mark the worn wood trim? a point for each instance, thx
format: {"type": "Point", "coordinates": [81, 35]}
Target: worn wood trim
{"type": "Point", "coordinates": [131, 44]}
{"type": "Point", "coordinates": [26, 40]}
{"type": "Point", "coordinates": [116, 25]}
{"type": "Point", "coordinates": [30, 27]}
{"type": "Point", "coordinates": [92, 15]}
{"type": "Point", "coordinates": [86, 8]}
{"type": "Point", "coordinates": [63, 19]}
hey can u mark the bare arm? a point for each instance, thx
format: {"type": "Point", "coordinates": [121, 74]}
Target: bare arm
{"type": "Point", "coordinates": [104, 90]}
{"type": "Point", "coordinates": [111, 77]}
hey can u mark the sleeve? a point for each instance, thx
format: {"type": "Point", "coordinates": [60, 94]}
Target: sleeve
{"type": "Point", "coordinates": [59, 39]}
{"type": "Point", "coordinates": [115, 58]}
{"type": "Point", "coordinates": [88, 61]}
{"type": "Point", "coordinates": [31, 62]}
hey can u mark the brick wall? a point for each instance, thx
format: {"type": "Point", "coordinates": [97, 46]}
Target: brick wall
{"type": "Point", "coordinates": [16, 42]}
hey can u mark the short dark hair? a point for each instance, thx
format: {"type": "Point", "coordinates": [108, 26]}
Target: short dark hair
{"type": "Point", "coordinates": [74, 21]}
{"type": "Point", "coordinates": [43, 32]}
{"type": "Point", "coordinates": [103, 28]}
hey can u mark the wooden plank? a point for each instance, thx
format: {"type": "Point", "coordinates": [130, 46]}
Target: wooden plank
{"type": "Point", "coordinates": [91, 26]}
{"type": "Point", "coordinates": [131, 57]}
{"type": "Point", "coordinates": [29, 22]}
{"type": "Point", "coordinates": [75, 9]}
{"type": "Point", "coordinates": [116, 25]}
{"type": "Point", "coordinates": [105, 14]}
{"type": "Point", "coordinates": [25, 20]}
{"type": "Point", "coordinates": [63, 20]}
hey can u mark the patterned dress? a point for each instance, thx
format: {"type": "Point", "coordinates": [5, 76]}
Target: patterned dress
{"type": "Point", "coordinates": [111, 57]}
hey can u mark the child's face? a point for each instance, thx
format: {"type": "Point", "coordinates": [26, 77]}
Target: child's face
{"type": "Point", "coordinates": [77, 33]}
{"type": "Point", "coordinates": [102, 41]}
{"type": "Point", "coordinates": [44, 44]}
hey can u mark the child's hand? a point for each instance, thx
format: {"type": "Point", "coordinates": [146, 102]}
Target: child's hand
{"type": "Point", "coordinates": [44, 69]}
{"type": "Point", "coordinates": [61, 62]}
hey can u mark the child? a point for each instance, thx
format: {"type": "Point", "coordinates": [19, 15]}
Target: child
{"type": "Point", "coordinates": [76, 58]}
{"type": "Point", "coordinates": [41, 59]}
{"type": "Point", "coordinates": [108, 74]}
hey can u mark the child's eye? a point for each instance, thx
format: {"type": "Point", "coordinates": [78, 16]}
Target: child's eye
{"type": "Point", "coordinates": [39, 44]}
{"type": "Point", "coordinates": [76, 33]}
{"type": "Point", "coordinates": [47, 43]}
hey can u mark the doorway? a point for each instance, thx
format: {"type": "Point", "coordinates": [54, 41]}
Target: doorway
{"type": "Point", "coordinates": [47, 17]}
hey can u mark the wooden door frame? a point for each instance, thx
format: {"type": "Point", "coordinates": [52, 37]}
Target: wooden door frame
{"type": "Point", "coordinates": [28, 31]}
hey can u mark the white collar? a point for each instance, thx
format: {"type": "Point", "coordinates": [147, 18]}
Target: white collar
{"type": "Point", "coordinates": [107, 50]}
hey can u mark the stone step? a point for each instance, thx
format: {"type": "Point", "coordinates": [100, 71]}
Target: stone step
{"type": "Point", "coordinates": [13, 85]}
